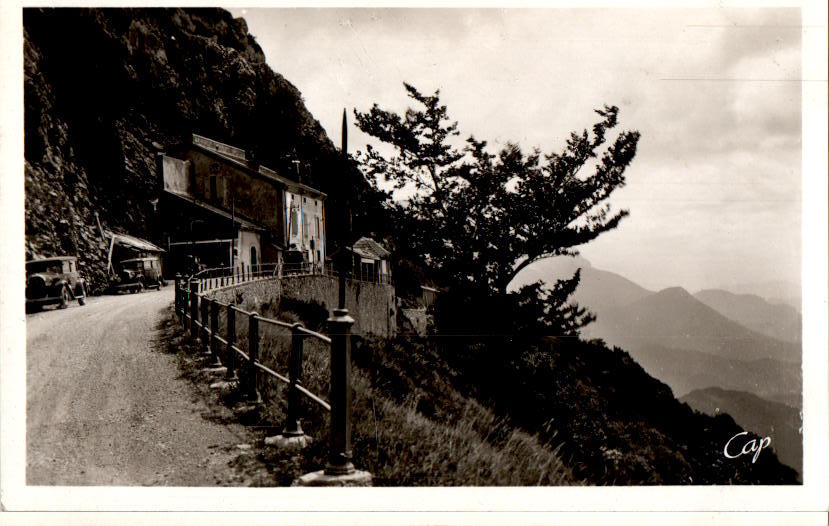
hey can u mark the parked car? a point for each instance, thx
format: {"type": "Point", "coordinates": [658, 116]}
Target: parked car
{"type": "Point", "coordinates": [137, 274]}
{"type": "Point", "coordinates": [52, 281]}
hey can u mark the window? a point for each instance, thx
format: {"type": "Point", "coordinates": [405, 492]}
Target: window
{"type": "Point", "coordinates": [318, 227]}
{"type": "Point", "coordinates": [294, 226]}
{"type": "Point", "coordinates": [215, 182]}
{"type": "Point", "coordinates": [305, 230]}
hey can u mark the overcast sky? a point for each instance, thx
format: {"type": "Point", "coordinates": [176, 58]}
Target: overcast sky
{"type": "Point", "coordinates": [715, 189]}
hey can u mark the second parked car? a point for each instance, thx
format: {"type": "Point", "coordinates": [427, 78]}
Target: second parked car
{"type": "Point", "coordinates": [137, 274]}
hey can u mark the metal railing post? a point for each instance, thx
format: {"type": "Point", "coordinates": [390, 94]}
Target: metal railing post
{"type": "Point", "coordinates": [194, 310]}
{"type": "Point", "coordinates": [177, 300]}
{"type": "Point", "coordinates": [339, 453]}
{"type": "Point", "coordinates": [292, 425]}
{"type": "Point", "coordinates": [253, 352]}
{"type": "Point", "coordinates": [231, 341]}
{"type": "Point", "coordinates": [205, 320]}
{"type": "Point", "coordinates": [214, 332]}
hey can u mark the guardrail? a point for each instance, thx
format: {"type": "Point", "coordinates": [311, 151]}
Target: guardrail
{"type": "Point", "coordinates": [219, 277]}
{"type": "Point", "coordinates": [200, 314]}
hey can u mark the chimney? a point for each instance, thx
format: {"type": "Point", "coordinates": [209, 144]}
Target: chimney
{"type": "Point", "coordinates": [250, 157]}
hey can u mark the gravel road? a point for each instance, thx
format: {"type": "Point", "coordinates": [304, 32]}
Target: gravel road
{"type": "Point", "coordinates": [106, 405]}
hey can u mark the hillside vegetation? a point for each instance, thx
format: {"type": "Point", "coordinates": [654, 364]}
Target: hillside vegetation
{"type": "Point", "coordinates": [452, 411]}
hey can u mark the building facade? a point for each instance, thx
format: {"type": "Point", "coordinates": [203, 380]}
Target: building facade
{"type": "Point", "coordinates": [221, 208]}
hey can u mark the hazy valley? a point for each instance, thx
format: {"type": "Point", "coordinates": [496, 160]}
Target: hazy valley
{"type": "Point", "coordinates": [719, 351]}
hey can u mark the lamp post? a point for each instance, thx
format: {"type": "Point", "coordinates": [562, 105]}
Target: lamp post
{"type": "Point", "coordinates": [339, 470]}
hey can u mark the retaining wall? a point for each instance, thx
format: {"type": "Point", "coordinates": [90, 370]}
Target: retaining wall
{"type": "Point", "coordinates": [370, 304]}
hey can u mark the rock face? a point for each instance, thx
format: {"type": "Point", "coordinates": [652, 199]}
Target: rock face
{"type": "Point", "coordinates": [105, 89]}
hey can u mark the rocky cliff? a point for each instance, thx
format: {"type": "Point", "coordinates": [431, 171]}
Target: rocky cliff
{"type": "Point", "coordinates": [105, 89]}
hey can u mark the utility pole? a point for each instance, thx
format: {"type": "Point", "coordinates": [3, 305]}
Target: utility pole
{"type": "Point", "coordinates": [232, 231]}
{"type": "Point", "coordinates": [346, 228]}
{"type": "Point", "coordinates": [339, 327]}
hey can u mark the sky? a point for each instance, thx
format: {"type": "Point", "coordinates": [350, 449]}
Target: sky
{"type": "Point", "coordinates": [715, 189]}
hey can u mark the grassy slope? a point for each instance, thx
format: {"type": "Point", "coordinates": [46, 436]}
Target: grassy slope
{"type": "Point", "coordinates": [436, 413]}
{"type": "Point", "coordinates": [412, 426]}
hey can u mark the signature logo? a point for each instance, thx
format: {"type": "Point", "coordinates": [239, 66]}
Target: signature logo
{"type": "Point", "coordinates": [752, 446]}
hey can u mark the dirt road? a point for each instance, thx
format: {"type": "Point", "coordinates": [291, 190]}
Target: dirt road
{"type": "Point", "coordinates": [106, 405]}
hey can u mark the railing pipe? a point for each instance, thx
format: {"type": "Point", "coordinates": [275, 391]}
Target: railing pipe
{"type": "Point", "coordinates": [177, 300]}
{"type": "Point", "coordinates": [194, 310]}
{"type": "Point", "coordinates": [253, 352]}
{"type": "Point", "coordinates": [231, 341]}
{"type": "Point", "coordinates": [214, 332]}
{"type": "Point", "coordinates": [205, 320]}
{"type": "Point", "coordinates": [292, 424]}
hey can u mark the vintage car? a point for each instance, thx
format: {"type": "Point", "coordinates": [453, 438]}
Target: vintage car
{"type": "Point", "coordinates": [53, 281]}
{"type": "Point", "coordinates": [137, 274]}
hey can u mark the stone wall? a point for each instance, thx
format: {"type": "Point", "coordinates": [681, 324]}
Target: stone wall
{"type": "Point", "coordinates": [415, 320]}
{"type": "Point", "coordinates": [370, 304]}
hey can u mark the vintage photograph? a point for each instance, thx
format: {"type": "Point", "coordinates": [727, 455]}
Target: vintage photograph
{"type": "Point", "coordinates": [405, 247]}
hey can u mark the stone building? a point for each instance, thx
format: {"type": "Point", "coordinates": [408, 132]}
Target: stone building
{"type": "Point", "coordinates": [220, 206]}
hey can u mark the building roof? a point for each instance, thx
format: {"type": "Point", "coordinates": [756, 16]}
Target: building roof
{"type": "Point", "coordinates": [238, 157]}
{"type": "Point", "coordinates": [369, 249]}
{"type": "Point", "coordinates": [55, 258]}
{"type": "Point", "coordinates": [135, 242]}
{"type": "Point", "coordinates": [244, 223]}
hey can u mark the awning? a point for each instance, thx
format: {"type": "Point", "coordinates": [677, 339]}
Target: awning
{"type": "Point", "coordinates": [134, 242]}
{"type": "Point", "coordinates": [245, 224]}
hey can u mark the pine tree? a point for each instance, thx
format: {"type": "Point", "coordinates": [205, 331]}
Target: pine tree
{"type": "Point", "coordinates": [476, 219]}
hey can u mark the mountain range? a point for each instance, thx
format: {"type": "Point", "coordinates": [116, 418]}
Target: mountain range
{"type": "Point", "coordinates": [768, 419]}
{"type": "Point", "coordinates": [710, 347]}
{"type": "Point", "coordinates": [776, 320]}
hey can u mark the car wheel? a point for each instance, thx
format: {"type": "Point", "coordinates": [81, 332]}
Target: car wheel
{"type": "Point", "coordinates": [65, 298]}
{"type": "Point", "coordinates": [82, 297]}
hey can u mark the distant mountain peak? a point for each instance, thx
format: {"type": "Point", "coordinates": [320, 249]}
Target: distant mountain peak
{"type": "Point", "coordinates": [582, 262]}
{"type": "Point", "coordinates": [677, 292]}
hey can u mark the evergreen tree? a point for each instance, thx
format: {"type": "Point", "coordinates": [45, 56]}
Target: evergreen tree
{"type": "Point", "coordinates": [476, 219]}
